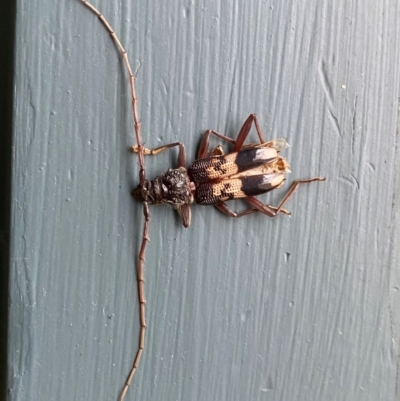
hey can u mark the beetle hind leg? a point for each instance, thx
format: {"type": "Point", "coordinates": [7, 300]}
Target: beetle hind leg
{"type": "Point", "coordinates": [205, 141]}
{"type": "Point", "coordinates": [273, 211]}
{"type": "Point", "coordinates": [292, 190]}
{"type": "Point", "coordinates": [270, 211]}
{"type": "Point", "coordinates": [239, 142]}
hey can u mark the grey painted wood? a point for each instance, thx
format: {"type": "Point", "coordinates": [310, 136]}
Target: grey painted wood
{"type": "Point", "coordinates": [299, 308]}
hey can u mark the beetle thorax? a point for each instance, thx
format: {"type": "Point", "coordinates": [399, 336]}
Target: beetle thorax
{"type": "Point", "coordinates": [173, 187]}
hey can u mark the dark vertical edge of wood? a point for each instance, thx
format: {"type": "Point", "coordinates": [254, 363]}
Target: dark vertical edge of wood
{"type": "Point", "coordinates": [7, 29]}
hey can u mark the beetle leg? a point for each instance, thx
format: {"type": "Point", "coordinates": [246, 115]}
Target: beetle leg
{"type": "Point", "coordinates": [223, 207]}
{"type": "Point", "coordinates": [258, 206]}
{"type": "Point", "coordinates": [238, 143]}
{"type": "Point", "coordinates": [160, 149]}
{"type": "Point", "coordinates": [261, 207]}
{"type": "Point", "coordinates": [244, 131]}
{"type": "Point", "coordinates": [266, 209]}
{"type": "Point", "coordinates": [270, 211]}
{"type": "Point", "coordinates": [204, 144]}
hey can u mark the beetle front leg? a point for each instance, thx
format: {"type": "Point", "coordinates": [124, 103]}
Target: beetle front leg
{"type": "Point", "coordinates": [160, 149]}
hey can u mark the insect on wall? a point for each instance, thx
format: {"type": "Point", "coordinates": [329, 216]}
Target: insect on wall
{"type": "Point", "coordinates": [214, 178]}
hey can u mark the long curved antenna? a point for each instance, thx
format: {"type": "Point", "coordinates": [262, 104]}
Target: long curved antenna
{"type": "Point", "coordinates": [146, 211]}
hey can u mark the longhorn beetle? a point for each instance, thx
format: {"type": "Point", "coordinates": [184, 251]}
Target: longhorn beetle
{"type": "Point", "coordinates": [212, 179]}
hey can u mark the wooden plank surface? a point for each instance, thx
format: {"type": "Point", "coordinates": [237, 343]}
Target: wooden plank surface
{"type": "Point", "coordinates": [299, 308]}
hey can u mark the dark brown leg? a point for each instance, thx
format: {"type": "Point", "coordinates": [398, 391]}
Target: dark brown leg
{"type": "Point", "coordinates": [258, 206]}
{"type": "Point", "coordinates": [270, 211]}
{"type": "Point", "coordinates": [244, 132]}
{"type": "Point", "coordinates": [156, 151]}
{"type": "Point", "coordinates": [204, 144]}
{"type": "Point", "coordinates": [238, 143]}
{"type": "Point", "coordinates": [266, 209]}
